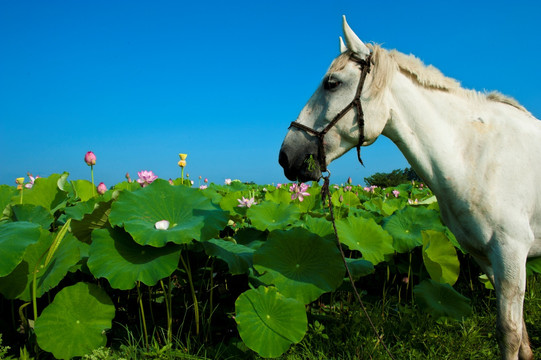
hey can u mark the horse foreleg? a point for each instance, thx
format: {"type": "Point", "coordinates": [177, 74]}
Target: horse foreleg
{"type": "Point", "coordinates": [525, 352]}
{"type": "Point", "coordinates": [510, 283]}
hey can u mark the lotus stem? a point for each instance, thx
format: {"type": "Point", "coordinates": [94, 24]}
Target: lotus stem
{"type": "Point", "coordinates": [142, 311]}
{"type": "Point", "coordinates": [194, 297]}
{"type": "Point", "coordinates": [92, 176]}
{"type": "Point", "coordinates": [168, 308]}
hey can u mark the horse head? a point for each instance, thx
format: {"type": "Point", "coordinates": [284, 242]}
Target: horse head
{"type": "Point", "coordinates": [332, 122]}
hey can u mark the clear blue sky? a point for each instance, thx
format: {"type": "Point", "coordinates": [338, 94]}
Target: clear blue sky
{"type": "Point", "coordinates": [138, 82]}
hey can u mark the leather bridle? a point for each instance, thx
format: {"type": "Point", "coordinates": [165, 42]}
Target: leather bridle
{"type": "Point", "coordinates": [355, 103]}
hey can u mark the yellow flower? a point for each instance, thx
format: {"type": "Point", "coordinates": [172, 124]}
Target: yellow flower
{"type": "Point", "coordinates": [19, 181]}
{"type": "Point", "coordinates": [182, 163]}
{"type": "Point", "coordinates": [183, 156]}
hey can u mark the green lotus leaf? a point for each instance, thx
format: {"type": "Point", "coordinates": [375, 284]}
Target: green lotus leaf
{"type": "Point", "coordinates": [81, 208]}
{"type": "Point", "coordinates": [6, 194]}
{"type": "Point", "coordinates": [238, 257]}
{"type": "Point", "coordinates": [191, 214]}
{"type": "Point", "coordinates": [279, 195]}
{"type": "Point", "coordinates": [269, 322]}
{"type": "Point", "coordinates": [46, 193]}
{"type": "Point", "coordinates": [32, 213]}
{"type": "Point", "coordinates": [15, 237]}
{"type": "Point", "coordinates": [441, 300]}
{"type": "Point", "coordinates": [229, 202]}
{"type": "Point", "coordinates": [405, 226]}
{"type": "Point", "coordinates": [251, 237]}
{"type": "Point", "coordinates": [300, 264]}
{"type": "Point", "coordinates": [271, 216]}
{"type": "Point", "coordinates": [385, 207]}
{"type": "Point", "coordinates": [18, 283]}
{"type": "Point", "coordinates": [114, 255]}
{"type": "Point", "coordinates": [345, 198]}
{"type": "Point", "coordinates": [128, 186]}
{"type": "Point", "coordinates": [96, 219]}
{"type": "Point", "coordinates": [74, 323]}
{"type": "Point", "coordinates": [366, 236]}
{"type": "Point", "coordinates": [439, 257]}
{"type": "Point", "coordinates": [84, 189]}
{"type": "Point", "coordinates": [319, 226]}
{"type": "Point", "coordinates": [360, 268]}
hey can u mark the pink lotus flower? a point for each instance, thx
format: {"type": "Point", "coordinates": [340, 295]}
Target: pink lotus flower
{"type": "Point", "coordinates": [299, 191]}
{"type": "Point", "coordinates": [146, 178]}
{"type": "Point", "coordinates": [396, 193]}
{"type": "Point", "coordinates": [228, 181]}
{"type": "Point", "coordinates": [246, 202]}
{"type": "Point", "coordinates": [347, 188]}
{"type": "Point", "coordinates": [101, 188]}
{"type": "Point", "coordinates": [90, 158]}
{"type": "Point", "coordinates": [203, 187]}
{"type": "Point", "coordinates": [31, 183]}
{"type": "Point", "coordinates": [370, 189]}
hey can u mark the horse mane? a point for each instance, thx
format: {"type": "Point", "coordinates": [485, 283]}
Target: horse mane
{"type": "Point", "coordinates": [385, 64]}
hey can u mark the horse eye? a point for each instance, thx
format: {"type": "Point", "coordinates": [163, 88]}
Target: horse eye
{"type": "Point", "coordinates": [331, 84]}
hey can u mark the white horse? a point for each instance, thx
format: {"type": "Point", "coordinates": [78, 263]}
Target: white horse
{"type": "Point", "coordinates": [478, 152]}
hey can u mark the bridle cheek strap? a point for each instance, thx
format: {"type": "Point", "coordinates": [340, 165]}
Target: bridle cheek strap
{"type": "Point", "coordinates": [356, 102]}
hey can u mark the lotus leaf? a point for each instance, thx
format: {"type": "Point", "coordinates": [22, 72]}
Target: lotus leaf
{"type": "Point", "coordinates": [96, 219]}
{"type": "Point", "coordinates": [319, 226]}
{"type": "Point", "coordinates": [269, 322]}
{"type": "Point", "coordinates": [15, 237]}
{"type": "Point", "coordinates": [81, 208]}
{"type": "Point", "coordinates": [405, 226]}
{"type": "Point", "coordinates": [115, 256]}
{"type": "Point", "coordinates": [300, 264]}
{"type": "Point", "coordinates": [84, 189]}
{"type": "Point", "coordinates": [439, 257]}
{"type": "Point", "coordinates": [238, 257]}
{"type": "Point", "coordinates": [32, 213]}
{"type": "Point", "coordinates": [271, 216]}
{"type": "Point", "coordinates": [441, 300]}
{"type": "Point", "coordinates": [46, 193]}
{"type": "Point", "coordinates": [191, 214]}
{"type": "Point", "coordinates": [279, 196]}
{"type": "Point", "coordinates": [359, 268]}
{"type": "Point", "coordinates": [74, 323]}
{"type": "Point", "coordinates": [229, 202]}
{"type": "Point", "coordinates": [366, 236]}
{"type": "Point", "coordinates": [18, 283]}
{"type": "Point", "coordinates": [6, 194]}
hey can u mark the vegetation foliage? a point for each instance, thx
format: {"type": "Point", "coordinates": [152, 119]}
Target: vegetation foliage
{"type": "Point", "coordinates": [228, 271]}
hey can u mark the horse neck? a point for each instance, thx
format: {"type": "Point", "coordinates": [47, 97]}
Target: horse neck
{"type": "Point", "coordinates": [425, 125]}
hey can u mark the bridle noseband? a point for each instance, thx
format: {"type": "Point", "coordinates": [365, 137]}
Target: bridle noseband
{"type": "Point", "coordinates": [356, 102]}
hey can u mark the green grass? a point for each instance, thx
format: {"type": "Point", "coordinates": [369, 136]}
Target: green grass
{"type": "Point", "coordinates": [342, 332]}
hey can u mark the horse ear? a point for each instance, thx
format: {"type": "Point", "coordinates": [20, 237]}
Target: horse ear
{"type": "Point", "coordinates": [352, 40]}
{"type": "Point", "coordinates": [343, 47]}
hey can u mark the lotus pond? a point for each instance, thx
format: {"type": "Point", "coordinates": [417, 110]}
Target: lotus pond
{"type": "Point", "coordinates": [246, 265]}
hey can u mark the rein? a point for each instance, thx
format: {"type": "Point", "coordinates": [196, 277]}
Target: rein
{"type": "Point", "coordinates": [355, 103]}
{"type": "Point", "coordinates": [326, 195]}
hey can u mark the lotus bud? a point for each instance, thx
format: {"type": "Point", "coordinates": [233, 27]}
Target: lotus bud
{"type": "Point", "coordinates": [90, 158]}
{"type": "Point", "coordinates": [349, 180]}
{"type": "Point", "coordinates": [128, 177]}
{"type": "Point", "coordinates": [182, 163]}
{"type": "Point", "coordinates": [101, 188]}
